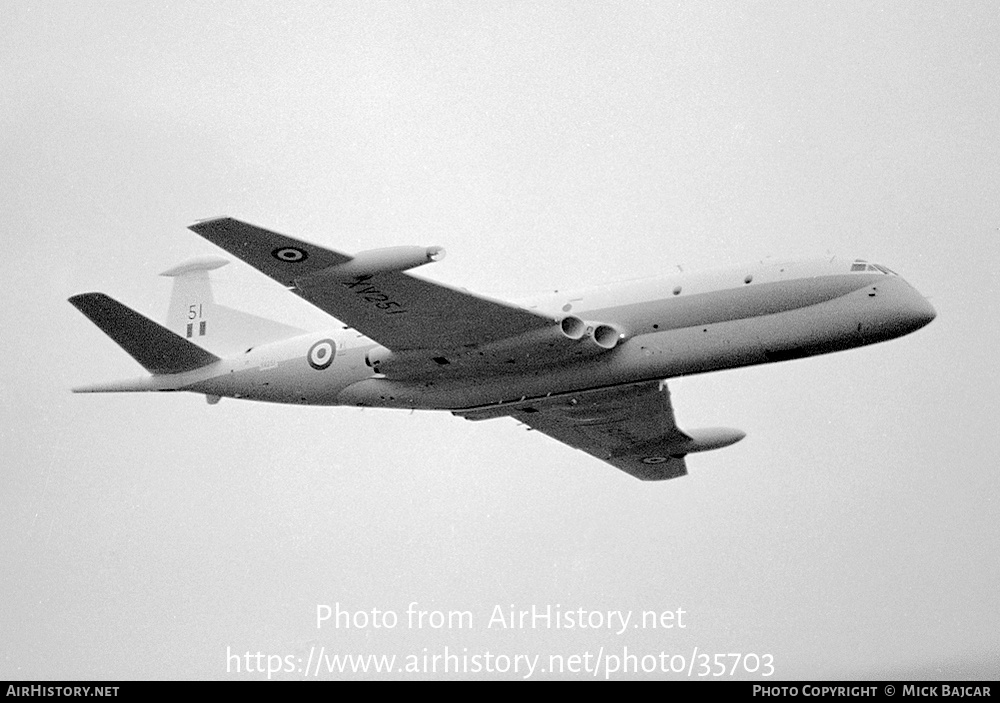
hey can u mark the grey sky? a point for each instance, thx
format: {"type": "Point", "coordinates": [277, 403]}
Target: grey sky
{"type": "Point", "coordinates": [853, 533]}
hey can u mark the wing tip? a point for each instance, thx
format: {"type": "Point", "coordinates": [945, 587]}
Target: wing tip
{"type": "Point", "coordinates": [208, 221]}
{"type": "Point", "coordinates": [80, 300]}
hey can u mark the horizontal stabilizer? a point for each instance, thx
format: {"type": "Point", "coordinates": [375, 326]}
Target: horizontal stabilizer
{"type": "Point", "coordinates": [159, 350]}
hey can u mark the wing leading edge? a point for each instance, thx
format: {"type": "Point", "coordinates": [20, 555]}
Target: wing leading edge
{"type": "Point", "coordinates": [396, 309]}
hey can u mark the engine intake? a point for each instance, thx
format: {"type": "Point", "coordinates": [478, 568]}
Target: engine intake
{"type": "Point", "coordinates": [606, 336]}
{"type": "Point", "coordinates": [573, 327]}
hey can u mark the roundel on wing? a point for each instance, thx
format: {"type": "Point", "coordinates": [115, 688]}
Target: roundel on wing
{"type": "Point", "coordinates": [290, 255]}
{"type": "Point", "coordinates": [655, 460]}
{"type": "Point", "coordinates": [321, 354]}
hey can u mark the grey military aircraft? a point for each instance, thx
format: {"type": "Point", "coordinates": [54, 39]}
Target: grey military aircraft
{"type": "Point", "coordinates": [586, 367]}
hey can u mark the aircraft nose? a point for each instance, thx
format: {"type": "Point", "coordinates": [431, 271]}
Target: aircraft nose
{"type": "Point", "coordinates": [919, 311]}
{"type": "Point", "coordinates": [903, 309]}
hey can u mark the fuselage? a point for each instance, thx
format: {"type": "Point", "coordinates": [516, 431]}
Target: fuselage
{"type": "Point", "coordinates": [663, 327]}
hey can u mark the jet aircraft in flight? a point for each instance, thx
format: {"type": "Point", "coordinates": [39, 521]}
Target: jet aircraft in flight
{"type": "Point", "coordinates": [586, 367]}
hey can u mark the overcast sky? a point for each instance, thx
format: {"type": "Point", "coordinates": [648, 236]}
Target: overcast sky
{"type": "Point", "coordinates": [853, 533]}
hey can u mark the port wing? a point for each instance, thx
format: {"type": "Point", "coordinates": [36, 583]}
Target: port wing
{"type": "Point", "coordinates": [397, 309]}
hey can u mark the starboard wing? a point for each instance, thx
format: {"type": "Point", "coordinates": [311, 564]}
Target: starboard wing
{"type": "Point", "coordinates": [630, 427]}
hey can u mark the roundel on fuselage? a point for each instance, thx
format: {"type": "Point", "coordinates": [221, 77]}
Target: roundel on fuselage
{"type": "Point", "coordinates": [321, 354]}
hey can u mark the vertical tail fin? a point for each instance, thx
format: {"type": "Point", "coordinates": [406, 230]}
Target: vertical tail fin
{"type": "Point", "coordinates": [194, 314]}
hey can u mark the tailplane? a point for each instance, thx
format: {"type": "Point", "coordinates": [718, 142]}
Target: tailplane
{"type": "Point", "coordinates": [194, 315]}
{"type": "Point", "coordinates": [159, 350]}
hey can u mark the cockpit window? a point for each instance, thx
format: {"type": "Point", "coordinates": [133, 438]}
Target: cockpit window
{"type": "Point", "coordinates": [860, 265]}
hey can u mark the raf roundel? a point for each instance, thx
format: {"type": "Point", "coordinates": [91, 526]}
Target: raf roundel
{"type": "Point", "coordinates": [290, 255]}
{"type": "Point", "coordinates": [321, 354]}
{"type": "Point", "coordinates": [655, 460]}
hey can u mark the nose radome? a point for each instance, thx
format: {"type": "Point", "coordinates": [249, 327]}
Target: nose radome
{"type": "Point", "coordinates": [921, 311]}
{"type": "Point", "coordinates": [904, 309]}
